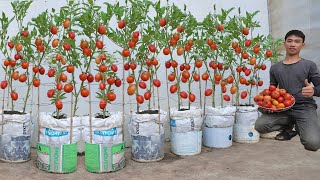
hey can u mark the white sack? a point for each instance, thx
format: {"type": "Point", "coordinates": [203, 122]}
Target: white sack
{"type": "Point", "coordinates": [219, 117]}
{"type": "Point", "coordinates": [247, 115]}
{"type": "Point", "coordinates": [186, 121]}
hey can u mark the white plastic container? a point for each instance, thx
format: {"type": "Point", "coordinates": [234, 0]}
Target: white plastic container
{"type": "Point", "coordinates": [218, 126]}
{"type": "Point", "coordinates": [217, 137]}
{"type": "Point", "coordinates": [243, 129]}
{"type": "Point", "coordinates": [186, 131]}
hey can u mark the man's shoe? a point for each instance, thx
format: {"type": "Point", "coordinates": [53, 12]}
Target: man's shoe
{"type": "Point", "coordinates": [286, 135]}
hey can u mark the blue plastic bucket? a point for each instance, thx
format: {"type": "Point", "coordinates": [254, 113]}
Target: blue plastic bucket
{"type": "Point", "coordinates": [217, 137]}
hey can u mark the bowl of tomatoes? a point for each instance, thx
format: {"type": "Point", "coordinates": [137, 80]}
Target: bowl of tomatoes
{"type": "Point", "coordinates": [273, 100]}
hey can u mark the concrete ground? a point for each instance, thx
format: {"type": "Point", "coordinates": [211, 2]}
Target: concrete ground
{"type": "Point", "coordinates": [268, 159]}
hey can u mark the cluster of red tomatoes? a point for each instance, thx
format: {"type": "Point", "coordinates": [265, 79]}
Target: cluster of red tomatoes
{"type": "Point", "coordinates": [274, 98]}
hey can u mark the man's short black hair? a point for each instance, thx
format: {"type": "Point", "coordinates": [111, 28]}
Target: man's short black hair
{"type": "Point", "coordinates": [295, 33]}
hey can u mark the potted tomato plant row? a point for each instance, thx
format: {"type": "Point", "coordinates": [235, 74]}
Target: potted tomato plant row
{"type": "Point", "coordinates": [256, 52]}
{"type": "Point", "coordinates": [17, 53]}
{"type": "Point", "coordinates": [178, 44]}
{"type": "Point", "coordinates": [218, 59]}
{"type": "Point", "coordinates": [213, 48]}
{"type": "Point", "coordinates": [141, 65]}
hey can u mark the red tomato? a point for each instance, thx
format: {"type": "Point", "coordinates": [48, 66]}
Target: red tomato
{"type": "Point", "coordinates": [131, 89]}
{"type": "Point", "coordinates": [147, 95]}
{"type": "Point", "coordinates": [205, 76]}
{"type": "Point", "coordinates": [118, 82]}
{"type": "Point", "coordinates": [145, 76]}
{"type": "Point", "coordinates": [4, 84]}
{"type": "Point", "coordinates": [272, 87]}
{"type": "Point", "coordinates": [142, 85]}
{"type": "Point", "coordinates": [102, 29]}
{"type": "Point", "coordinates": [233, 89]}
{"type": "Point", "coordinates": [140, 99]}
{"type": "Point", "coordinates": [42, 71]}
{"type": "Point", "coordinates": [36, 82]}
{"type": "Point", "coordinates": [168, 64]}
{"type": "Point", "coordinates": [50, 93]}
{"type": "Point", "coordinates": [163, 22]}
{"type": "Point", "coordinates": [133, 66]}
{"type": "Point", "coordinates": [125, 53]}
{"type": "Point", "coordinates": [183, 95]}
{"type": "Point", "coordinates": [103, 68]}
{"type": "Point", "coordinates": [14, 96]}
{"type": "Point", "coordinates": [263, 67]}
{"type": "Point", "coordinates": [102, 86]}
{"type": "Point", "coordinates": [54, 30]}
{"type": "Point", "coordinates": [103, 104]}
{"type": "Point", "coordinates": [111, 96]}
{"type": "Point", "coordinates": [63, 77]}
{"type": "Point", "coordinates": [99, 44]}
{"type": "Point", "coordinates": [66, 46]}
{"type": "Point", "coordinates": [59, 86]}
{"type": "Point", "coordinates": [280, 99]}
{"type": "Point", "coordinates": [59, 104]}
{"type": "Point", "coordinates": [114, 68]}
{"type": "Point", "coordinates": [10, 45]}
{"type": "Point", "coordinates": [244, 94]}
{"type": "Point", "coordinates": [198, 64]}
{"type": "Point", "coordinates": [35, 69]}
{"type": "Point", "coordinates": [192, 97]}
{"type": "Point", "coordinates": [196, 77]}
{"type": "Point", "coordinates": [68, 88]}
{"type": "Point", "coordinates": [245, 55]}
{"type": "Point", "coordinates": [245, 31]}
{"type": "Point", "coordinates": [152, 48]}
{"type": "Point", "coordinates": [247, 43]}
{"type": "Point", "coordinates": [268, 53]}
{"type": "Point", "coordinates": [247, 72]}
{"type": "Point", "coordinates": [226, 97]}
{"type": "Point", "coordinates": [121, 24]}
{"type": "Point", "coordinates": [208, 92]}
{"type": "Point", "coordinates": [23, 78]}
{"type": "Point", "coordinates": [126, 66]}
{"type": "Point", "coordinates": [230, 80]}
{"type": "Point", "coordinates": [110, 80]}
{"type": "Point", "coordinates": [173, 88]}
{"type": "Point", "coordinates": [72, 35]}
{"type": "Point", "coordinates": [24, 65]}
{"type": "Point", "coordinates": [70, 68]}
{"type": "Point", "coordinates": [283, 92]}
{"type": "Point", "coordinates": [180, 29]}
{"type": "Point", "coordinates": [220, 27]}
{"type": "Point", "coordinates": [287, 96]}
{"type": "Point", "coordinates": [171, 77]}
{"type": "Point", "coordinates": [87, 51]}
{"type": "Point", "coordinates": [156, 83]}
{"type": "Point", "coordinates": [166, 51]}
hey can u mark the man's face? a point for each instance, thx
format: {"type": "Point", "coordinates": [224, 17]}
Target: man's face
{"type": "Point", "coordinates": [293, 45]}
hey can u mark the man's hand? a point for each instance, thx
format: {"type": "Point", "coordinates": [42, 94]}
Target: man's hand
{"type": "Point", "coordinates": [307, 91]}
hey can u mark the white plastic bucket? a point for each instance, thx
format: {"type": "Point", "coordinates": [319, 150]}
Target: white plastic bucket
{"type": "Point", "coordinates": [243, 133]}
{"type": "Point", "coordinates": [217, 137]}
{"type": "Point", "coordinates": [188, 143]}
